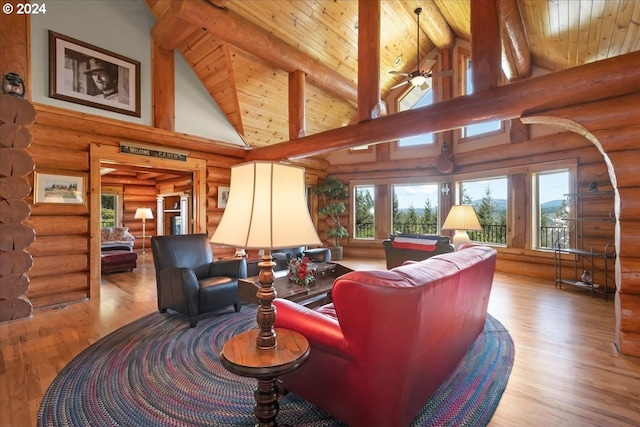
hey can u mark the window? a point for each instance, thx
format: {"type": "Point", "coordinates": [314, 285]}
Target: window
{"type": "Point", "coordinates": [415, 209]}
{"type": "Point", "coordinates": [109, 211]}
{"type": "Point", "coordinates": [550, 190]}
{"type": "Point", "coordinates": [480, 128]}
{"type": "Point", "coordinates": [111, 206]}
{"type": "Point", "coordinates": [415, 98]}
{"type": "Point", "coordinates": [364, 212]}
{"type": "Point", "coordinates": [489, 199]}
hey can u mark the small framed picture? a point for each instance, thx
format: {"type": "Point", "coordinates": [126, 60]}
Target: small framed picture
{"type": "Point", "coordinates": [57, 188]}
{"type": "Point", "coordinates": [88, 75]}
{"type": "Point", "coordinates": [223, 196]}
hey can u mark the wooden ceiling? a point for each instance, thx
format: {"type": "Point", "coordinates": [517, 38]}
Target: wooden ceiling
{"type": "Point", "coordinates": [243, 51]}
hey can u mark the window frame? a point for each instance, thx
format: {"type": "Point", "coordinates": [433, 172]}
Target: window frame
{"type": "Point", "coordinates": [464, 57]}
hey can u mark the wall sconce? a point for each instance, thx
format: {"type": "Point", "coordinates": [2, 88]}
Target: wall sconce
{"type": "Point", "coordinates": [445, 189]}
{"type": "Point", "coordinates": [12, 84]}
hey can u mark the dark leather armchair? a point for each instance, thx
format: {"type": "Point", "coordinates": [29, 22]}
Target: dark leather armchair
{"type": "Point", "coordinates": [282, 257]}
{"type": "Point", "coordinates": [188, 280]}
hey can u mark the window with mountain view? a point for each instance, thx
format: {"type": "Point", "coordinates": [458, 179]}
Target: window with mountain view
{"type": "Point", "coordinates": [364, 212]}
{"type": "Point", "coordinates": [552, 209]}
{"type": "Point", "coordinates": [415, 209]}
{"type": "Point", "coordinates": [489, 199]}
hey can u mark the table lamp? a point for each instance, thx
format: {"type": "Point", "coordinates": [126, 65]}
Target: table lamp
{"type": "Point", "coordinates": [144, 214]}
{"type": "Point", "coordinates": [267, 209]}
{"type": "Point", "coordinates": [461, 218]}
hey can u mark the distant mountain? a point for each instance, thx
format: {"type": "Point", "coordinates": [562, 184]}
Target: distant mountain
{"type": "Point", "coordinates": [500, 204]}
{"type": "Point", "coordinates": [552, 206]}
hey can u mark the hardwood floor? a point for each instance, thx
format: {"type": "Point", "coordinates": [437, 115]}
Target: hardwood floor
{"type": "Point", "coordinates": [566, 372]}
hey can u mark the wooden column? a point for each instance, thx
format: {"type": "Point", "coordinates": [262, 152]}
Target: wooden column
{"type": "Point", "coordinates": [370, 106]}
{"type": "Point", "coordinates": [297, 99]}
{"type": "Point", "coordinates": [164, 91]}
{"type": "Point", "coordinates": [14, 33]}
{"type": "Point", "coordinates": [15, 237]}
{"type": "Point", "coordinates": [486, 52]}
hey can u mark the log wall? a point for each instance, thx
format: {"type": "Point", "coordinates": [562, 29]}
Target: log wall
{"type": "Point", "coordinates": [62, 140]}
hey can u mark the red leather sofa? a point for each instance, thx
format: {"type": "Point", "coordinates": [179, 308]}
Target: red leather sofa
{"type": "Point", "coordinates": [389, 338]}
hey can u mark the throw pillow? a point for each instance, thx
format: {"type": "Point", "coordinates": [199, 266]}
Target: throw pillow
{"type": "Point", "coordinates": [119, 233]}
{"type": "Point", "coordinates": [104, 234]}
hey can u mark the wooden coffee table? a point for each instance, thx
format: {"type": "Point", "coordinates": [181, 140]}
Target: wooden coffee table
{"type": "Point", "coordinates": [316, 294]}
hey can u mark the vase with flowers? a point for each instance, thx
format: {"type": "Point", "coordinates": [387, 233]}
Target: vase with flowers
{"type": "Point", "coordinates": [302, 271]}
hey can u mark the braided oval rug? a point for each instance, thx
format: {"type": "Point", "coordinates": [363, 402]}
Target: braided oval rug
{"type": "Point", "coordinates": [157, 371]}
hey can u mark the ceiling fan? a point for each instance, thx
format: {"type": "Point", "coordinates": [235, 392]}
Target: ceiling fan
{"type": "Point", "coordinates": [418, 77]}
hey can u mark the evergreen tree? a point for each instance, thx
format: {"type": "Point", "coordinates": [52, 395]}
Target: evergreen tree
{"type": "Point", "coordinates": [429, 218]}
{"type": "Point", "coordinates": [411, 220]}
{"type": "Point", "coordinates": [364, 213]}
{"type": "Point", "coordinates": [486, 209]}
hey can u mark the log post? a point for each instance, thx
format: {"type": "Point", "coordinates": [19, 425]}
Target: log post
{"type": "Point", "coordinates": [15, 236]}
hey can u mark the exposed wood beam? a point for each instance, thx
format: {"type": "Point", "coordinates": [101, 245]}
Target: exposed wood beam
{"type": "Point", "coordinates": [170, 32]}
{"type": "Point", "coordinates": [370, 105]}
{"type": "Point", "coordinates": [435, 26]}
{"type": "Point", "coordinates": [486, 54]}
{"type": "Point", "coordinates": [608, 78]}
{"type": "Point", "coordinates": [517, 57]}
{"type": "Point", "coordinates": [242, 33]}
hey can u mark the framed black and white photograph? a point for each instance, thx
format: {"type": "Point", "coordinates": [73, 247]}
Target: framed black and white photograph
{"type": "Point", "coordinates": [57, 188]}
{"type": "Point", "coordinates": [88, 75]}
{"type": "Point", "coordinates": [223, 196]}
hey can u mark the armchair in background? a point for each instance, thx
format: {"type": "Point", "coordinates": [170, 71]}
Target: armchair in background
{"type": "Point", "coordinates": [414, 247]}
{"type": "Point", "coordinates": [187, 279]}
{"type": "Point", "coordinates": [282, 257]}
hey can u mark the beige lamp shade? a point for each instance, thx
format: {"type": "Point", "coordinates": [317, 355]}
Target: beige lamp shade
{"type": "Point", "coordinates": [143, 213]}
{"type": "Point", "coordinates": [267, 208]}
{"type": "Point", "coordinates": [461, 218]}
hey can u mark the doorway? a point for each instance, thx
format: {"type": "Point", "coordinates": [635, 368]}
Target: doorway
{"type": "Point", "coordinates": [100, 154]}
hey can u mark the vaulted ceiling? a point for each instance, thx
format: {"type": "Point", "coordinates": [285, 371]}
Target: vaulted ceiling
{"type": "Point", "coordinates": [244, 51]}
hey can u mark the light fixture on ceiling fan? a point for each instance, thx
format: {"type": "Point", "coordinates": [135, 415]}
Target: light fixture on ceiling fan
{"type": "Point", "coordinates": [418, 77]}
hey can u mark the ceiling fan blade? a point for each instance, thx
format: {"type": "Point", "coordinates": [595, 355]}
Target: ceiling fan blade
{"type": "Point", "coordinates": [399, 73]}
{"type": "Point", "coordinates": [440, 74]}
{"type": "Point", "coordinates": [399, 84]}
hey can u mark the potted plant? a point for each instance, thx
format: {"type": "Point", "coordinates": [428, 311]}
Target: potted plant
{"type": "Point", "coordinates": [332, 191]}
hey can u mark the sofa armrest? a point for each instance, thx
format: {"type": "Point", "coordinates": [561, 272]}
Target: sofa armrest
{"type": "Point", "coordinates": [179, 289]}
{"type": "Point", "coordinates": [318, 254]}
{"type": "Point", "coordinates": [323, 332]}
{"type": "Point", "coordinates": [232, 267]}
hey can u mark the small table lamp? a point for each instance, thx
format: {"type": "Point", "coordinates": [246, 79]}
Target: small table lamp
{"type": "Point", "coordinates": [144, 214]}
{"type": "Point", "coordinates": [266, 209]}
{"type": "Point", "coordinates": [461, 218]}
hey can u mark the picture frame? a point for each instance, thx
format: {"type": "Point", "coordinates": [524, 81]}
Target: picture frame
{"type": "Point", "coordinates": [223, 197]}
{"type": "Point", "coordinates": [59, 188]}
{"type": "Point", "coordinates": [88, 75]}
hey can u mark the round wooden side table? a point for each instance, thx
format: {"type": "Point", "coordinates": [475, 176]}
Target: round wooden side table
{"type": "Point", "coordinates": [241, 356]}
